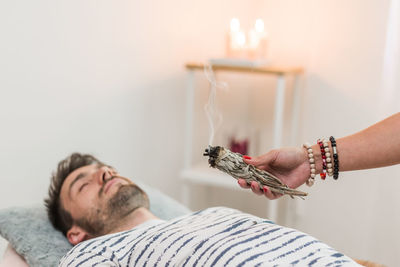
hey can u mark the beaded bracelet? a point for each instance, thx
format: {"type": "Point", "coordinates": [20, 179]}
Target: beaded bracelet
{"type": "Point", "coordinates": [323, 157]}
{"type": "Point", "coordinates": [329, 168]}
{"type": "Point", "coordinates": [335, 158]}
{"type": "Point", "coordinates": [311, 160]}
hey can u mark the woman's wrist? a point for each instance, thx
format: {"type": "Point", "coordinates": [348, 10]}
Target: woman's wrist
{"type": "Point", "coordinates": [323, 159]}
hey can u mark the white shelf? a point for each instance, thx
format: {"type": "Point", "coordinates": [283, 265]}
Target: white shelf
{"type": "Point", "coordinates": [206, 175]}
{"type": "Point", "coordinates": [239, 62]}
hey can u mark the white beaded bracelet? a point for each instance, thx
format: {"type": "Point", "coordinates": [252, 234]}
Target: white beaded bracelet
{"type": "Point", "coordinates": [329, 167]}
{"type": "Point", "coordinates": [310, 154]}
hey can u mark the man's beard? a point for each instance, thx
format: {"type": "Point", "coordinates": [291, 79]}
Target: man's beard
{"type": "Point", "coordinates": [127, 199]}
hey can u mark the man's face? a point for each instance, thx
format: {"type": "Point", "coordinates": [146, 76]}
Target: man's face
{"type": "Point", "coordinates": [98, 198]}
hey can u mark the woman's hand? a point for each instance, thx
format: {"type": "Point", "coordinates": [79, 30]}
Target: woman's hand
{"type": "Point", "coordinates": [290, 165]}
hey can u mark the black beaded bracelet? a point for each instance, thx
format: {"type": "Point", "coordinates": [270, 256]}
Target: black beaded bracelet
{"type": "Point", "coordinates": [335, 158]}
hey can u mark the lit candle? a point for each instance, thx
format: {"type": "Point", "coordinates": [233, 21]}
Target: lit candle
{"type": "Point", "coordinates": [237, 37]}
{"type": "Point", "coordinates": [259, 43]}
{"type": "Point", "coordinates": [251, 46]}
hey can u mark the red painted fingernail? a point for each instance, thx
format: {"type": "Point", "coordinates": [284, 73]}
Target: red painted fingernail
{"type": "Point", "coordinates": [246, 157]}
{"type": "Point", "coordinates": [238, 182]}
{"type": "Point", "coordinates": [265, 189]}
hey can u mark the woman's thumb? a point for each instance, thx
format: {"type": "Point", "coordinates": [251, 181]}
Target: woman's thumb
{"type": "Point", "coordinates": [260, 160]}
{"type": "Point", "coordinates": [249, 160]}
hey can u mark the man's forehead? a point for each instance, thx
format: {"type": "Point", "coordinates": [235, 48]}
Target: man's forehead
{"type": "Point", "coordinates": [83, 169]}
{"type": "Point", "coordinates": [74, 174]}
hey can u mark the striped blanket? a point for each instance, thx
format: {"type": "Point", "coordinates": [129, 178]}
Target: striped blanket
{"type": "Point", "coordinates": [211, 237]}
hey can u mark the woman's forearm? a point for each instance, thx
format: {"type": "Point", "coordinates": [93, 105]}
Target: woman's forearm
{"type": "Point", "coordinates": [376, 146]}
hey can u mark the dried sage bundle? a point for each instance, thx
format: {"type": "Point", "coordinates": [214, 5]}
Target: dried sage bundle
{"type": "Point", "coordinates": [232, 163]}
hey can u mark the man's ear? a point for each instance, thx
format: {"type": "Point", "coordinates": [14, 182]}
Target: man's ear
{"type": "Point", "coordinates": [76, 235]}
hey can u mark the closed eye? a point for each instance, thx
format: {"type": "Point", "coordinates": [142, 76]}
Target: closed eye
{"type": "Point", "coordinates": [82, 186]}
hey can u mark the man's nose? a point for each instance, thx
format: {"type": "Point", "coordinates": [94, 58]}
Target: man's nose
{"type": "Point", "coordinates": [104, 175]}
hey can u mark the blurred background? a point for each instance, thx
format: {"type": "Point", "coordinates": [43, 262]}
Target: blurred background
{"type": "Point", "coordinates": [109, 78]}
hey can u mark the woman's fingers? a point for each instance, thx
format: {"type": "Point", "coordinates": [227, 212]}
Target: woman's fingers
{"type": "Point", "coordinates": [243, 184]}
{"type": "Point", "coordinates": [255, 187]}
{"type": "Point", "coordinates": [269, 194]}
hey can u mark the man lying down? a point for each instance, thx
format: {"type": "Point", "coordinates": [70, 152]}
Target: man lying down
{"type": "Point", "coordinates": [107, 218]}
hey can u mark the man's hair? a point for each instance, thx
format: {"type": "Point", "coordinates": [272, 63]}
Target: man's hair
{"type": "Point", "coordinates": [59, 217]}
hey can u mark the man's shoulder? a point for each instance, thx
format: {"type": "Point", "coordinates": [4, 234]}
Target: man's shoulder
{"type": "Point", "coordinates": [97, 247]}
{"type": "Point", "coordinates": [87, 245]}
{"type": "Point", "coordinates": [113, 238]}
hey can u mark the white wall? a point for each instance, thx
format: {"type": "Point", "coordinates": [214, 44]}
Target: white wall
{"type": "Point", "coordinates": [101, 77]}
{"type": "Point", "coordinates": [107, 78]}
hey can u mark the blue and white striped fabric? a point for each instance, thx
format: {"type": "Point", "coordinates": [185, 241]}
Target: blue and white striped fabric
{"type": "Point", "coordinates": [212, 237]}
